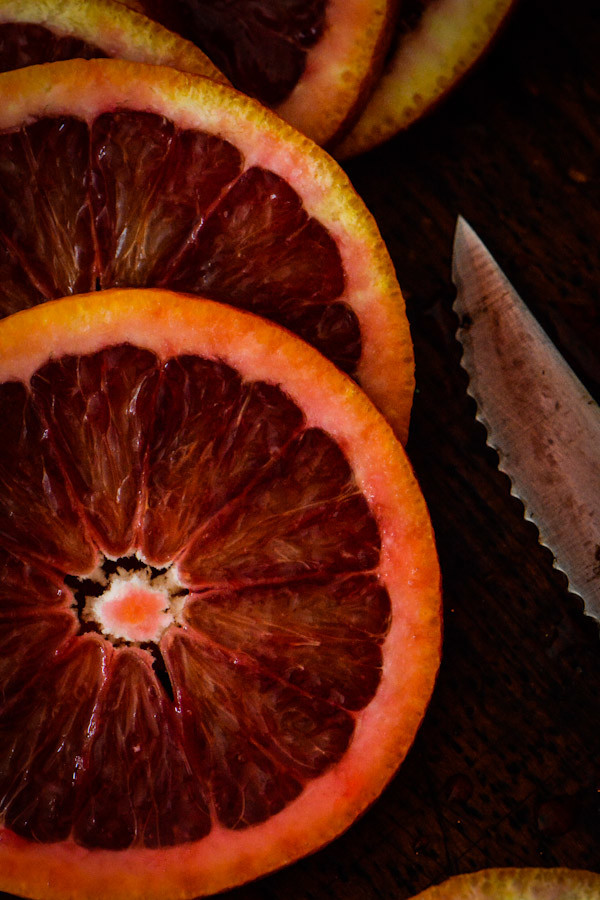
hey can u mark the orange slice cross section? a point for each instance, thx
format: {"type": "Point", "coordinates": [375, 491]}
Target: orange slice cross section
{"type": "Point", "coordinates": [254, 494]}
{"type": "Point", "coordinates": [117, 174]}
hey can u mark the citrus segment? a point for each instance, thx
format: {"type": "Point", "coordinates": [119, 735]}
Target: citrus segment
{"type": "Point", "coordinates": [28, 644]}
{"type": "Point", "coordinates": [24, 44]}
{"type": "Point", "coordinates": [322, 635]}
{"type": "Point", "coordinates": [154, 186]}
{"type": "Point", "coordinates": [96, 409]}
{"type": "Point", "coordinates": [37, 509]}
{"type": "Point", "coordinates": [23, 585]}
{"type": "Point", "coordinates": [114, 174]}
{"type": "Point", "coordinates": [314, 63]}
{"type": "Point", "coordinates": [518, 884]}
{"type": "Point", "coordinates": [211, 433]}
{"type": "Point", "coordinates": [261, 251]}
{"type": "Point", "coordinates": [140, 789]}
{"type": "Point", "coordinates": [435, 43]}
{"type": "Point", "coordinates": [49, 728]}
{"type": "Point", "coordinates": [45, 220]}
{"type": "Point", "coordinates": [38, 31]}
{"type": "Point", "coordinates": [280, 527]}
{"type": "Point", "coordinates": [257, 740]}
{"type": "Point", "coordinates": [262, 46]}
{"type": "Point", "coordinates": [35, 620]}
{"type": "Point", "coordinates": [229, 736]}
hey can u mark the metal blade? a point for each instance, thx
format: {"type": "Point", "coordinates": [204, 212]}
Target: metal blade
{"type": "Point", "coordinates": [539, 417]}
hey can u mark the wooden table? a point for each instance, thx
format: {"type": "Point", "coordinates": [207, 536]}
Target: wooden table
{"type": "Point", "coordinates": [505, 770]}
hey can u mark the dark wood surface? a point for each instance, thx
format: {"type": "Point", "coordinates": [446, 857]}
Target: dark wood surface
{"type": "Point", "coordinates": [506, 767]}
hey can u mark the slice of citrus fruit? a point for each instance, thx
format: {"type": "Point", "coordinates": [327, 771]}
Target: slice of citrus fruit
{"type": "Point", "coordinates": [314, 63]}
{"type": "Point", "coordinates": [117, 174]}
{"type": "Point", "coordinates": [36, 32]}
{"type": "Point", "coordinates": [219, 598]}
{"type": "Point", "coordinates": [518, 884]}
{"type": "Point", "coordinates": [435, 44]}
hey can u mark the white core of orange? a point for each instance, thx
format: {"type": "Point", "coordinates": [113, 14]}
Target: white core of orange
{"type": "Point", "coordinates": [132, 609]}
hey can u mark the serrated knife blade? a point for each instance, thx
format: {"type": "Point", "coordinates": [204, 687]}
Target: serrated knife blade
{"type": "Point", "coordinates": [540, 419]}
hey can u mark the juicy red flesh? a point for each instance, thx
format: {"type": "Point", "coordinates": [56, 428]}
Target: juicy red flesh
{"type": "Point", "coordinates": [37, 513]}
{"type": "Point", "coordinates": [254, 691]}
{"type": "Point", "coordinates": [260, 738]}
{"type": "Point", "coordinates": [261, 45]}
{"type": "Point", "coordinates": [47, 729]}
{"type": "Point", "coordinates": [235, 548]}
{"type": "Point", "coordinates": [133, 201]}
{"type": "Point", "coordinates": [24, 44]}
{"type": "Point", "coordinates": [138, 744]}
{"type": "Point", "coordinates": [233, 429]}
{"type": "Point", "coordinates": [99, 407]}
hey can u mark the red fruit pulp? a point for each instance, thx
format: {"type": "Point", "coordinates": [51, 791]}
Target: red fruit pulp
{"type": "Point", "coordinates": [244, 682]}
{"type": "Point", "coordinates": [26, 44]}
{"type": "Point", "coordinates": [132, 200]}
{"type": "Point", "coordinates": [260, 46]}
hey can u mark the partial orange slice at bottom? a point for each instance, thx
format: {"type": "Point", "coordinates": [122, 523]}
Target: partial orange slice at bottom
{"type": "Point", "coordinates": [518, 884]}
{"type": "Point", "coordinates": [219, 598]}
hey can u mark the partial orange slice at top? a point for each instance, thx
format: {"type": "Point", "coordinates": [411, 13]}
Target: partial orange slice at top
{"type": "Point", "coordinates": [38, 32]}
{"type": "Point", "coordinates": [119, 174]}
{"type": "Point", "coordinates": [434, 45]}
{"type": "Point", "coordinates": [219, 598]}
{"type": "Point", "coordinates": [314, 63]}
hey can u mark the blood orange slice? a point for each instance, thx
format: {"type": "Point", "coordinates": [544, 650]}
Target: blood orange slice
{"type": "Point", "coordinates": [518, 884]}
{"type": "Point", "coordinates": [234, 688]}
{"type": "Point", "coordinates": [118, 174]}
{"type": "Point", "coordinates": [36, 32]}
{"type": "Point", "coordinates": [436, 42]}
{"type": "Point", "coordinates": [314, 63]}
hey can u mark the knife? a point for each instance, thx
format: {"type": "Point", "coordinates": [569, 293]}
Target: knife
{"type": "Point", "coordinates": [540, 419]}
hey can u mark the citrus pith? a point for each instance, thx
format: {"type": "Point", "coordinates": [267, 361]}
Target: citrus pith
{"type": "Point", "coordinates": [34, 31]}
{"type": "Point", "coordinates": [120, 174]}
{"type": "Point", "coordinates": [294, 674]}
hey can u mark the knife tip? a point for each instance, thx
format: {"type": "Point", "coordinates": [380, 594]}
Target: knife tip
{"type": "Point", "coordinates": [462, 232]}
{"type": "Point", "coordinates": [468, 250]}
